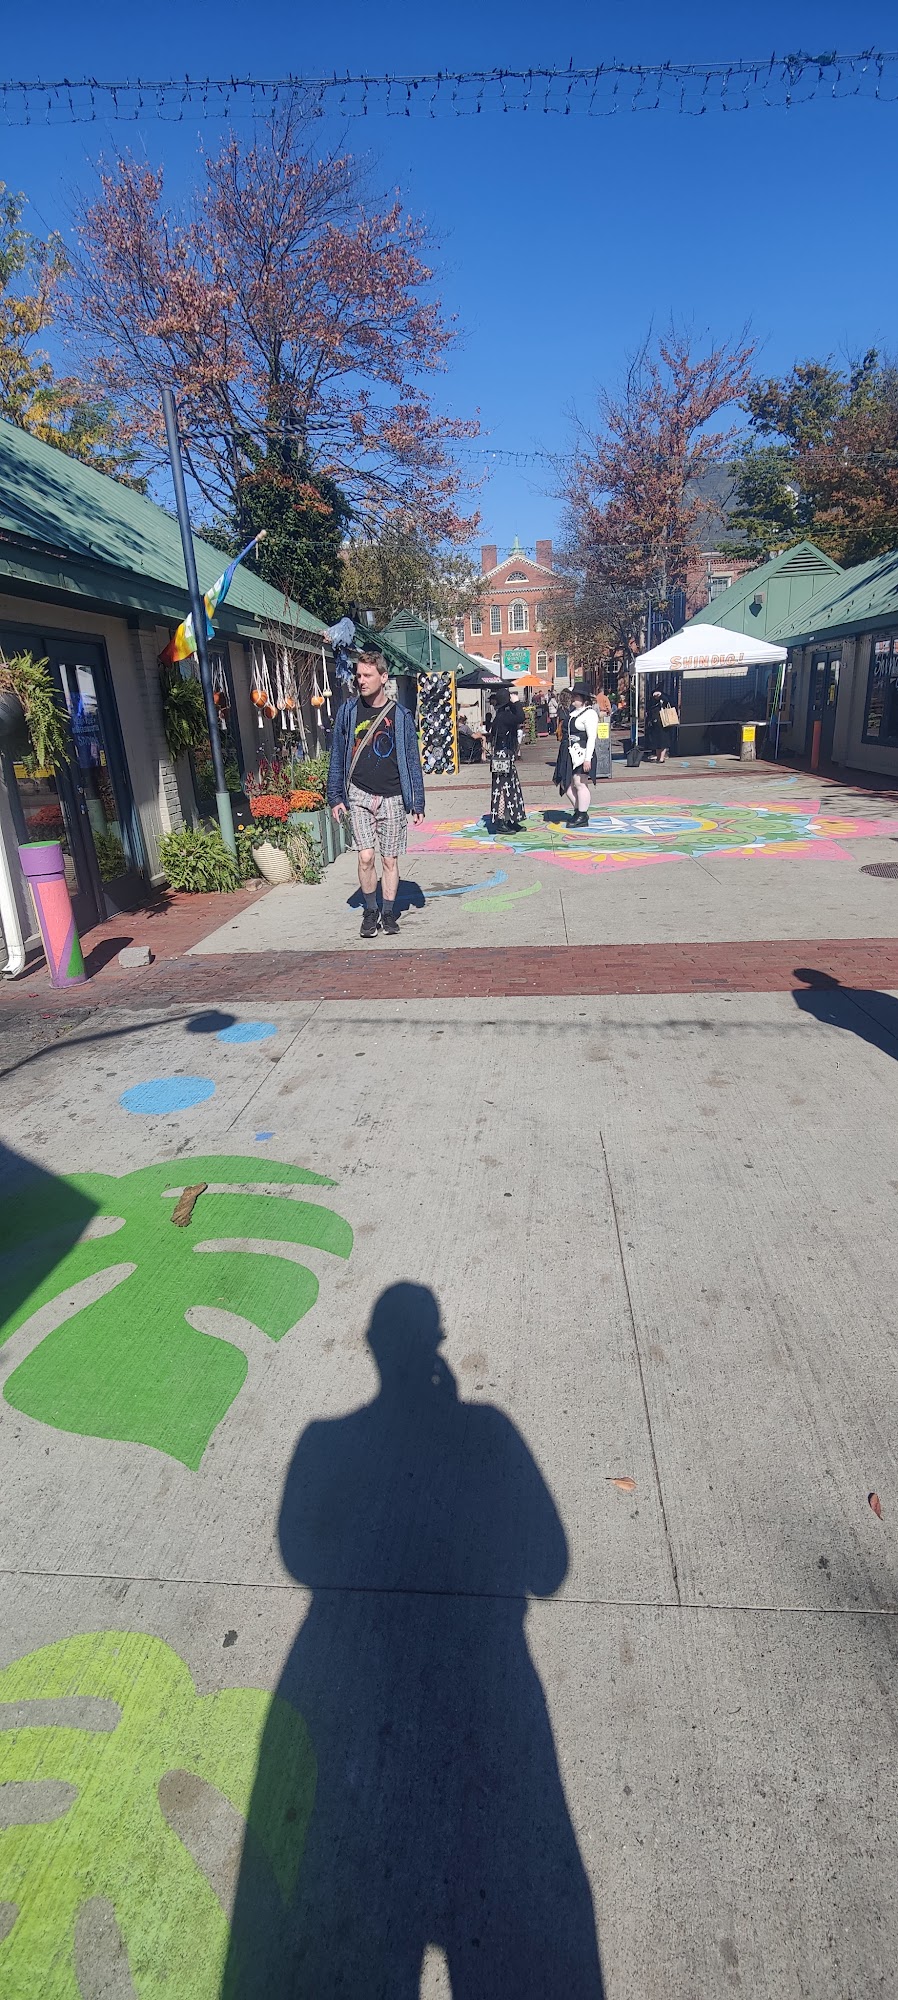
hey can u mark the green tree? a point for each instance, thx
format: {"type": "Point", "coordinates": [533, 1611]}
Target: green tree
{"type": "Point", "coordinates": [767, 511]}
{"type": "Point", "coordinates": [399, 570]}
{"type": "Point", "coordinates": [305, 516]}
{"type": "Point", "coordinates": [60, 410]}
{"type": "Point", "coordinates": [828, 464]}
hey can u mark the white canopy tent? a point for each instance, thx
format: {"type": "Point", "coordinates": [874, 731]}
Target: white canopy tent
{"type": "Point", "coordinates": [708, 649]}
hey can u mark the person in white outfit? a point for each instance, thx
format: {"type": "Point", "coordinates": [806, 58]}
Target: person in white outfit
{"type": "Point", "coordinates": [582, 730]}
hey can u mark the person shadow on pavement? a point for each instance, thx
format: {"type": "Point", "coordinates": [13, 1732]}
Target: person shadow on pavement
{"type": "Point", "coordinates": [422, 1526]}
{"type": "Point", "coordinates": [861, 1011]}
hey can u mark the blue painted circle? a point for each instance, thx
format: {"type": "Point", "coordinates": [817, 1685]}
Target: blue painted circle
{"type": "Point", "coordinates": [247, 1031]}
{"type": "Point", "coordinates": [166, 1093]}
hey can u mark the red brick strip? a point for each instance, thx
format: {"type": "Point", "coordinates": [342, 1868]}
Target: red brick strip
{"type": "Point", "coordinates": [477, 973]}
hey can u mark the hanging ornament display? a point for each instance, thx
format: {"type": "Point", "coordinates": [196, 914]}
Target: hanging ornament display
{"type": "Point", "coordinates": [260, 687]}
{"type": "Point", "coordinates": [322, 693]}
{"type": "Point", "coordinates": [220, 694]}
{"type": "Point", "coordinates": [437, 722]}
{"type": "Point", "coordinates": [285, 693]}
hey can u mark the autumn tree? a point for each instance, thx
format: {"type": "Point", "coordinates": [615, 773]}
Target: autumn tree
{"type": "Point", "coordinates": [295, 321]}
{"type": "Point", "coordinates": [827, 463]}
{"type": "Point", "coordinates": [59, 410]}
{"type": "Point", "coordinates": [633, 508]}
{"type": "Point", "coordinates": [399, 570]}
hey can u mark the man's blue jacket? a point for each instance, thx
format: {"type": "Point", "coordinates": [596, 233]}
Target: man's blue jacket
{"type": "Point", "coordinates": [410, 776]}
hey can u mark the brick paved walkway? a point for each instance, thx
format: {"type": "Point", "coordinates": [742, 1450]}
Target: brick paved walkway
{"type": "Point", "coordinates": [760, 967]}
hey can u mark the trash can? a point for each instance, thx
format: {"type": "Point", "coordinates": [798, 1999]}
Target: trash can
{"type": "Point", "coordinates": [44, 870]}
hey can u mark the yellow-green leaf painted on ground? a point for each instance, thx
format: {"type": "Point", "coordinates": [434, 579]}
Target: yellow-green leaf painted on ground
{"type": "Point", "coordinates": [128, 1365]}
{"type": "Point", "coordinates": [113, 1841]}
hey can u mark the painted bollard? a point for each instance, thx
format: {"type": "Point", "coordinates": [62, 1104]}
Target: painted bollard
{"type": "Point", "coordinates": [44, 870]}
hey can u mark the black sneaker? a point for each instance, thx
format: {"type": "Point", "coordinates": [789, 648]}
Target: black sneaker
{"type": "Point", "coordinates": [370, 924]}
{"type": "Point", "coordinates": [389, 922]}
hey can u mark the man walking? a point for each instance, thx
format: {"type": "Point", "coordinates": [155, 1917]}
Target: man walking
{"type": "Point", "coordinates": [375, 776]}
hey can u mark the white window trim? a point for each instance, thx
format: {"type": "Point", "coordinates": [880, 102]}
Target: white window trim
{"type": "Point", "coordinates": [476, 624]}
{"type": "Point", "coordinates": [518, 605]}
{"type": "Point", "coordinates": [542, 663]}
{"type": "Point", "coordinates": [496, 621]}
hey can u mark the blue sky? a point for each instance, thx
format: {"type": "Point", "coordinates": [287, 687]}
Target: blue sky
{"type": "Point", "coordinates": [559, 241]}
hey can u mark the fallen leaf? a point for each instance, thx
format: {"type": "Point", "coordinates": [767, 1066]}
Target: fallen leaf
{"type": "Point", "coordinates": [623, 1485]}
{"type": "Point", "coordinates": [876, 1504]}
{"type": "Point", "coordinates": [185, 1206]}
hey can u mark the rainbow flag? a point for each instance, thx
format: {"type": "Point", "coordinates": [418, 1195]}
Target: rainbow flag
{"type": "Point", "coordinates": [184, 641]}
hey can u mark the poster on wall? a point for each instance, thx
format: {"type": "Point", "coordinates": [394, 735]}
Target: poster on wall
{"type": "Point", "coordinates": [883, 666]}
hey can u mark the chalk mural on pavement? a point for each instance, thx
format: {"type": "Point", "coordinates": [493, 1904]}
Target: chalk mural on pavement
{"type": "Point", "coordinates": [128, 1365]}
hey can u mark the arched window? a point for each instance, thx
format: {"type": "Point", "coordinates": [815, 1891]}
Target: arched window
{"type": "Point", "coordinates": [541, 666]}
{"type": "Point", "coordinates": [517, 617]}
{"type": "Point", "coordinates": [516, 576]}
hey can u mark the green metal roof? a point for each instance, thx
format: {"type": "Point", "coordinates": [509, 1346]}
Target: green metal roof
{"type": "Point", "coordinates": [111, 537]}
{"type": "Point", "coordinates": [865, 598]}
{"type": "Point", "coordinates": [405, 644]}
{"type": "Point", "coordinates": [777, 590]}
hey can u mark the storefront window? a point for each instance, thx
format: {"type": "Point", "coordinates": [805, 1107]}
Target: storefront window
{"type": "Point", "coordinates": [881, 713]}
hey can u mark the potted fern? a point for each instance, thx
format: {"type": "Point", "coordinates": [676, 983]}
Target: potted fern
{"type": "Point", "coordinates": [184, 715]}
{"type": "Point", "coordinates": [30, 708]}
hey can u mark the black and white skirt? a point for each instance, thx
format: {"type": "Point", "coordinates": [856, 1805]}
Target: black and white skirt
{"type": "Point", "coordinates": [507, 800]}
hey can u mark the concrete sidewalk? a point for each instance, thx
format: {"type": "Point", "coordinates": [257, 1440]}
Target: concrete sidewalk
{"type": "Point", "coordinates": [541, 1504]}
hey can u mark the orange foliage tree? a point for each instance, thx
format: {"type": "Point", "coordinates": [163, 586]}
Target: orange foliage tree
{"type": "Point", "coordinates": [634, 501]}
{"type": "Point", "coordinates": [296, 322]}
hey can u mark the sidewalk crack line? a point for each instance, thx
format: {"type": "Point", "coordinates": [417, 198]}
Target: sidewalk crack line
{"type": "Point", "coordinates": [638, 1351]}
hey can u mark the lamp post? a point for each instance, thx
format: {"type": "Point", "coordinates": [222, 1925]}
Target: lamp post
{"type": "Point", "coordinates": [198, 614]}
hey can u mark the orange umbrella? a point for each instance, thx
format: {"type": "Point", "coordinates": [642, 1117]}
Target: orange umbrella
{"type": "Point", "coordinates": [529, 681]}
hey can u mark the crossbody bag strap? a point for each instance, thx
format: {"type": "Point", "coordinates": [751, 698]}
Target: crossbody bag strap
{"type": "Point", "coordinates": [381, 713]}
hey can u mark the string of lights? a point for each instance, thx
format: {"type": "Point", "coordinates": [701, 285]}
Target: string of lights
{"type": "Point", "coordinates": [603, 90]}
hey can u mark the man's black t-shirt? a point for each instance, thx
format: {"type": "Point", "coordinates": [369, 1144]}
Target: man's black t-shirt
{"type": "Point", "coordinates": [377, 769]}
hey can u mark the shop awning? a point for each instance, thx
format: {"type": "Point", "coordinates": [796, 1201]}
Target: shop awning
{"type": "Point", "coordinates": [708, 649]}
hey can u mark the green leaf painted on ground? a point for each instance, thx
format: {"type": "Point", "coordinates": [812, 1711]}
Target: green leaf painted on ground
{"type": "Point", "coordinates": [113, 1841]}
{"type": "Point", "coordinates": [128, 1366]}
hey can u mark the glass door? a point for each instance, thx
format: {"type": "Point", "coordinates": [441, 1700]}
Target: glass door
{"type": "Point", "coordinates": [88, 804]}
{"type": "Point", "coordinates": [99, 771]}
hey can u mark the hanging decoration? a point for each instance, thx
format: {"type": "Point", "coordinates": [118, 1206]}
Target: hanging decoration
{"type": "Point", "coordinates": [609, 89]}
{"type": "Point", "coordinates": [260, 687]}
{"type": "Point", "coordinates": [220, 694]}
{"type": "Point", "coordinates": [322, 691]}
{"type": "Point", "coordinates": [284, 698]}
{"type": "Point", "coordinates": [437, 722]}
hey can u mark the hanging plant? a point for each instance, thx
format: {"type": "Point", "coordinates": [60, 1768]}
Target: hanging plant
{"type": "Point", "coordinates": [30, 683]}
{"type": "Point", "coordinates": [184, 715]}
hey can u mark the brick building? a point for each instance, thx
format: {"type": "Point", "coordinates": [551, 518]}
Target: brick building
{"type": "Point", "coordinates": [513, 614]}
{"type": "Point", "coordinates": [708, 575]}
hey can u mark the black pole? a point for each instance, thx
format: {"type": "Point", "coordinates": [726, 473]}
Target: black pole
{"type": "Point", "coordinates": [198, 614]}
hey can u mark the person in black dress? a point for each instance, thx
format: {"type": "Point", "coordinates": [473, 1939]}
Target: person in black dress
{"type": "Point", "coordinates": [507, 808]}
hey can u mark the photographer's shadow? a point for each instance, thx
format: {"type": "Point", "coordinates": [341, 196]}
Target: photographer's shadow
{"type": "Point", "coordinates": [422, 1525]}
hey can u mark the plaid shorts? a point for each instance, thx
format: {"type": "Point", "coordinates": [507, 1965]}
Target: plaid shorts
{"type": "Point", "coordinates": [385, 818]}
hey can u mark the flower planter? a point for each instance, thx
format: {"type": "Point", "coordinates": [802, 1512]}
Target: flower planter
{"type": "Point", "coordinates": [13, 727]}
{"type": "Point", "coordinates": [312, 823]}
{"type": "Point", "coordinates": [329, 838]}
{"type": "Point", "coordinates": [271, 805]}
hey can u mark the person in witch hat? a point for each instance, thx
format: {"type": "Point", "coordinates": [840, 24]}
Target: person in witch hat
{"type": "Point", "coordinates": [576, 754]}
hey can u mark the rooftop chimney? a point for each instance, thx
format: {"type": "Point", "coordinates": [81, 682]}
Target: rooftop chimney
{"type": "Point", "coordinates": [544, 554]}
{"type": "Point", "coordinates": [488, 558]}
